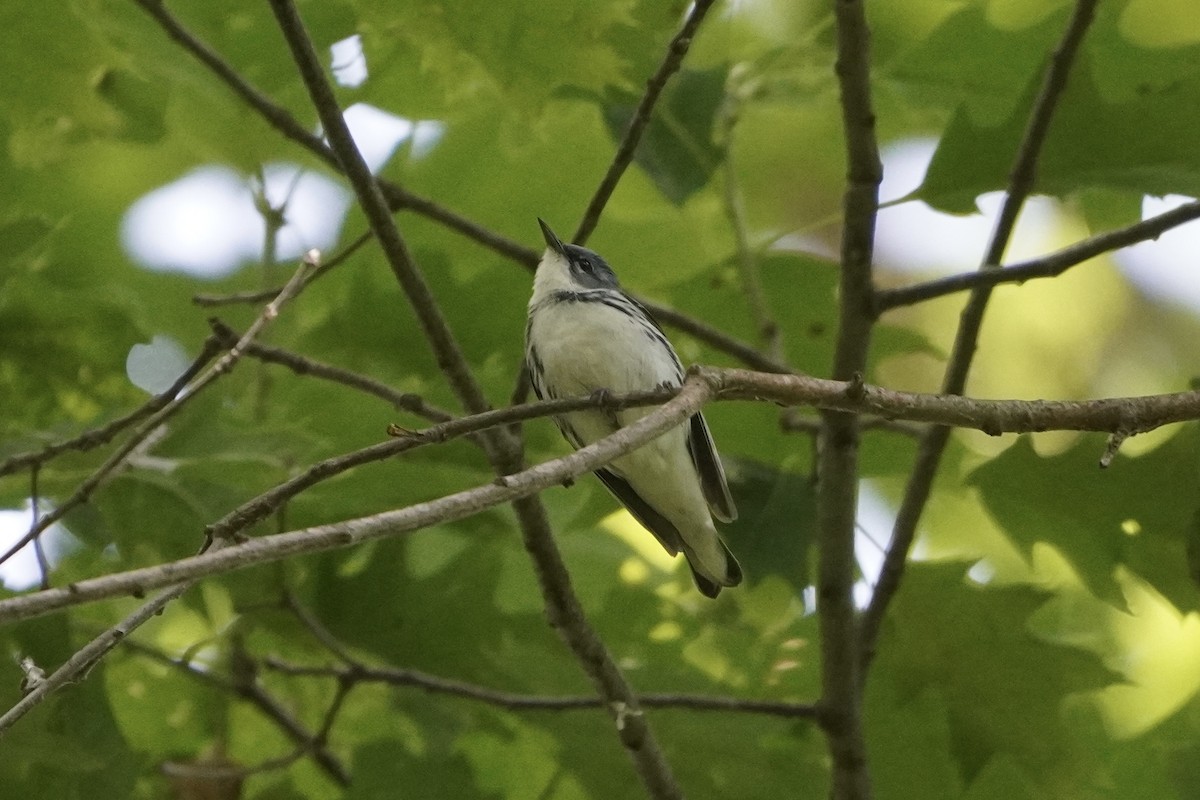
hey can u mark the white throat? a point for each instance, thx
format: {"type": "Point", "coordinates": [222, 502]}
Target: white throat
{"type": "Point", "coordinates": [553, 275]}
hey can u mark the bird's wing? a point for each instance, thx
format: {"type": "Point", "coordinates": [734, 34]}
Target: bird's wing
{"type": "Point", "coordinates": [666, 533]}
{"type": "Point", "coordinates": [700, 445]}
{"type": "Point", "coordinates": [712, 474]}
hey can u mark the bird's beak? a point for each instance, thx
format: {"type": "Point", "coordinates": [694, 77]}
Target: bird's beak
{"type": "Point", "coordinates": [552, 240]}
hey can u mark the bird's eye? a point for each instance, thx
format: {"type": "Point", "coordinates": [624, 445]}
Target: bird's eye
{"type": "Point", "coordinates": [586, 266]}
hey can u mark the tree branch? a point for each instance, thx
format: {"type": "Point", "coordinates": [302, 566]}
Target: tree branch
{"type": "Point", "coordinates": [1048, 266]}
{"type": "Point", "coordinates": [261, 699]}
{"type": "Point", "coordinates": [393, 676]}
{"type": "Point", "coordinates": [768, 329]}
{"type": "Point", "coordinates": [718, 340]}
{"type": "Point", "coordinates": [105, 433]}
{"type": "Point", "coordinates": [641, 118]}
{"type": "Point", "coordinates": [445, 348]}
{"type": "Point", "coordinates": [933, 444]}
{"type": "Point", "coordinates": [1132, 414]}
{"type": "Point", "coordinates": [303, 365]}
{"type": "Point", "coordinates": [837, 488]}
{"type": "Point", "coordinates": [210, 300]}
{"type": "Point", "coordinates": [82, 661]}
{"type": "Point", "coordinates": [261, 507]}
{"type": "Point", "coordinates": [155, 420]}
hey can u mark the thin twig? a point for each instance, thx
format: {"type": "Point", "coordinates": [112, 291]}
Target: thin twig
{"type": "Point", "coordinates": [837, 487]}
{"type": "Point", "coordinates": [360, 673]}
{"type": "Point", "coordinates": [933, 444]}
{"type": "Point", "coordinates": [83, 659]}
{"type": "Point", "coordinates": [798, 424]}
{"type": "Point", "coordinates": [748, 268]}
{"type": "Point", "coordinates": [303, 365]}
{"type": "Point", "coordinates": [35, 510]}
{"type": "Point", "coordinates": [1048, 266]}
{"type": "Point", "coordinates": [238, 298]}
{"type": "Point", "coordinates": [261, 507]}
{"type": "Point", "coordinates": [271, 708]}
{"type": "Point", "coordinates": [718, 340]}
{"type": "Point", "coordinates": [641, 118]}
{"type": "Point", "coordinates": [104, 434]}
{"type": "Point", "coordinates": [317, 628]}
{"type": "Point", "coordinates": [769, 333]}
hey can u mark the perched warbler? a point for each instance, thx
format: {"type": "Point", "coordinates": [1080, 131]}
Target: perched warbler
{"type": "Point", "coordinates": [584, 335]}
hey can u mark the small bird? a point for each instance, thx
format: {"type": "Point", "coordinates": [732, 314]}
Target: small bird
{"type": "Point", "coordinates": [585, 335]}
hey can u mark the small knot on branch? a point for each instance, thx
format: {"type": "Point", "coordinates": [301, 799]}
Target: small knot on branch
{"type": "Point", "coordinates": [622, 713]}
{"type": "Point", "coordinates": [856, 387]}
{"type": "Point", "coordinates": [1115, 440]}
{"type": "Point", "coordinates": [400, 432]}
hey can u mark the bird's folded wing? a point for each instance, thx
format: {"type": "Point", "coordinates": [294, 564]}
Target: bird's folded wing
{"type": "Point", "coordinates": [712, 474]}
{"type": "Point", "coordinates": [643, 512]}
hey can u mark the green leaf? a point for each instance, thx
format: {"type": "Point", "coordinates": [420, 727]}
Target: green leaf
{"type": "Point", "coordinates": [678, 149]}
{"type": "Point", "coordinates": [911, 744]}
{"type": "Point", "coordinates": [1123, 123]}
{"type": "Point", "coordinates": [1129, 514]}
{"type": "Point", "coordinates": [1002, 686]}
{"type": "Point", "coordinates": [773, 534]}
{"type": "Point", "coordinates": [140, 102]}
{"type": "Point", "coordinates": [970, 63]}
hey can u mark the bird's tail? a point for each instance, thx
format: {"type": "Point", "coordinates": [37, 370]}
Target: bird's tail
{"type": "Point", "coordinates": [708, 580]}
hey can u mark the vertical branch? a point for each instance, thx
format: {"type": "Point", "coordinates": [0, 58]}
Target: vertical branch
{"type": "Point", "coordinates": [933, 443]}
{"type": "Point", "coordinates": [838, 461]}
{"type": "Point", "coordinates": [567, 617]}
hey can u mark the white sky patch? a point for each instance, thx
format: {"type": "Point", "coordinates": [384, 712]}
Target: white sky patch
{"type": "Point", "coordinates": [205, 223]}
{"type": "Point", "coordinates": [378, 133]}
{"type": "Point", "coordinates": [426, 133]}
{"type": "Point", "coordinates": [1169, 268]}
{"type": "Point", "coordinates": [154, 367]}
{"type": "Point", "coordinates": [349, 62]}
{"type": "Point", "coordinates": [21, 572]}
{"type": "Point", "coordinates": [913, 237]}
{"type": "Point", "coordinates": [875, 518]}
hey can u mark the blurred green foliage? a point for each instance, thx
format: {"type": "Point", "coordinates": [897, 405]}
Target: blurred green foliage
{"type": "Point", "coordinates": [1019, 678]}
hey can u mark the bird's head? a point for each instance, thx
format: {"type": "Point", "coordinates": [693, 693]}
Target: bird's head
{"type": "Point", "coordinates": [573, 267]}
